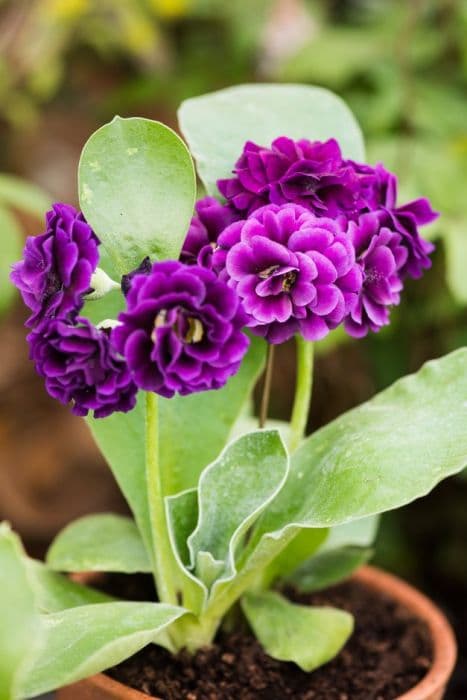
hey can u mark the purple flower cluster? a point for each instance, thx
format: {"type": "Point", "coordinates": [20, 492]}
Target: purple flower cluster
{"type": "Point", "coordinates": [182, 330]}
{"type": "Point", "coordinates": [264, 254]}
{"type": "Point", "coordinates": [77, 360]}
{"type": "Point", "coordinates": [305, 241]}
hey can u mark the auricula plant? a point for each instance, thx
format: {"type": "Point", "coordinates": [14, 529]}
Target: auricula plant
{"type": "Point", "coordinates": [157, 330]}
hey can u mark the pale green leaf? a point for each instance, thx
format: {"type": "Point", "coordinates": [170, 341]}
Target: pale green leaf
{"type": "Point", "coordinates": [182, 516]}
{"type": "Point", "coordinates": [358, 533]}
{"type": "Point", "coordinates": [303, 546]}
{"type": "Point", "coordinates": [20, 629]}
{"type": "Point", "coordinates": [216, 126]}
{"type": "Point", "coordinates": [10, 252]}
{"type": "Point", "coordinates": [137, 189]}
{"type": "Point", "coordinates": [383, 454]}
{"type": "Point", "coordinates": [195, 428]}
{"type": "Point", "coordinates": [54, 592]}
{"type": "Point", "coordinates": [329, 567]}
{"type": "Point", "coordinates": [16, 192]}
{"type": "Point", "coordinates": [103, 542]}
{"type": "Point", "coordinates": [232, 493]}
{"type": "Point", "coordinates": [121, 439]}
{"type": "Point", "coordinates": [308, 636]}
{"type": "Point", "coordinates": [86, 640]}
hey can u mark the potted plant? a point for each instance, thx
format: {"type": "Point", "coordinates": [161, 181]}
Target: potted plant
{"type": "Point", "coordinates": [242, 524]}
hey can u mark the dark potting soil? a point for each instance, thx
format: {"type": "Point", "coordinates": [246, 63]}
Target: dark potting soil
{"type": "Point", "coordinates": [389, 652]}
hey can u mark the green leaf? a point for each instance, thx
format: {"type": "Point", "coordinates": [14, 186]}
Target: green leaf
{"type": "Point", "coordinates": [205, 421]}
{"type": "Point", "coordinates": [10, 251]}
{"type": "Point", "coordinates": [329, 567]}
{"type": "Point", "coordinates": [54, 592]}
{"type": "Point", "coordinates": [20, 624]}
{"type": "Point", "coordinates": [216, 126]}
{"type": "Point", "coordinates": [86, 640]}
{"type": "Point", "coordinates": [308, 636]}
{"type": "Point", "coordinates": [121, 439]}
{"type": "Point", "coordinates": [16, 192]}
{"type": "Point", "coordinates": [305, 543]}
{"type": "Point", "coordinates": [232, 493]}
{"type": "Point", "coordinates": [358, 533]}
{"type": "Point", "coordinates": [379, 456]}
{"type": "Point", "coordinates": [103, 542]}
{"type": "Point", "coordinates": [182, 516]}
{"type": "Point", "coordinates": [137, 189]}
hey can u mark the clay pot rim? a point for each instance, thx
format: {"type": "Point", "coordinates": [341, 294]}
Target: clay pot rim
{"type": "Point", "coordinates": [442, 636]}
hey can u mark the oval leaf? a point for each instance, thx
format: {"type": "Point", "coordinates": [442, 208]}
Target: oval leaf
{"type": "Point", "coordinates": [216, 126]}
{"type": "Point", "coordinates": [308, 636]}
{"type": "Point", "coordinates": [137, 189]}
{"type": "Point", "coordinates": [103, 542]}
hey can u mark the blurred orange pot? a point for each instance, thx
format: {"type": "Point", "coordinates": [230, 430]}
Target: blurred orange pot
{"type": "Point", "coordinates": [431, 687]}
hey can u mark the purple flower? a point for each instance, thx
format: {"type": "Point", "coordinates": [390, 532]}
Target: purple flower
{"type": "Point", "coordinates": [211, 219]}
{"type": "Point", "coordinates": [312, 174]}
{"type": "Point", "coordinates": [406, 220]}
{"type": "Point", "coordinates": [379, 194]}
{"type": "Point", "coordinates": [294, 272]}
{"type": "Point", "coordinates": [57, 266]}
{"type": "Point", "coordinates": [80, 364]}
{"type": "Point", "coordinates": [181, 331]}
{"type": "Point", "coordinates": [382, 254]}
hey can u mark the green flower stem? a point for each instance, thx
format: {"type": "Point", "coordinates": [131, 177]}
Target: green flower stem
{"type": "Point", "coordinates": [263, 412]}
{"type": "Point", "coordinates": [303, 388]}
{"type": "Point", "coordinates": [163, 555]}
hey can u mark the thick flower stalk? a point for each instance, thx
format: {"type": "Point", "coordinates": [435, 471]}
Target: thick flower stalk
{"type": "Point", "coordinates": [80, 365]}
{"type": "Point", "coordinates": [57, 266]}
{"type": "Point", "coordinates": [182, 330]}
{"type": "Point", "coordinates": [294, 272]}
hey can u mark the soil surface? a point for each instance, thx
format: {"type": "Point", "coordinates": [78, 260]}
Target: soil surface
{"type": "Point", "coordinates": [389, 652]}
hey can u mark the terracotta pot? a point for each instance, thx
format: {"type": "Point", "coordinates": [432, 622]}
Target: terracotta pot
{"type": "Point", "coordinates": [432, 687]}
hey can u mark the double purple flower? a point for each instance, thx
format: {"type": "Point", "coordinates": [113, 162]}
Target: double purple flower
{"type": "Point", "coordinates": [182, 330]}
{"type": "Point", "coordinates": [294, 272]}
{"type": "Point", "coordinates": [57, 266]}
{"type": "Point", "coordinates": [80, 365]}
{"type": "Point", "coordinates": [312, 174]}
{"type": "Point", "coordinates": [381, 254]}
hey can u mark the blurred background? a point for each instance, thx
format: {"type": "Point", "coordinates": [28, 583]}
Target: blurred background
{"type": "Point", "coordinates": [67, 66]}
